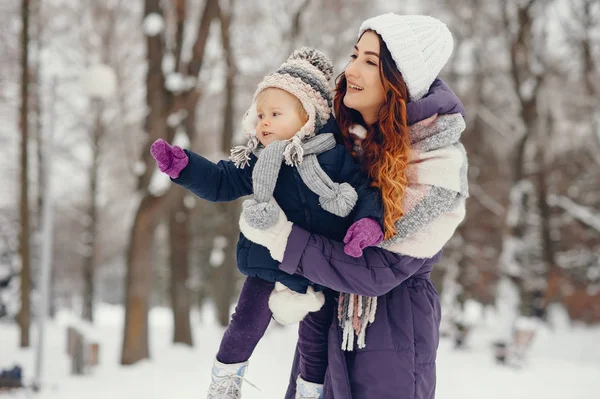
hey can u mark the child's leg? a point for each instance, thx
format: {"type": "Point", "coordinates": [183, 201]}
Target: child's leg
{"type": "Point", "coordinates": [312, 342]}
{"type": "Point", "coordinates": [248, 323]}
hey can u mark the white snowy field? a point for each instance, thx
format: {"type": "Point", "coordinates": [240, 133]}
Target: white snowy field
{"type": "Point", "coordinates": [562, 364]}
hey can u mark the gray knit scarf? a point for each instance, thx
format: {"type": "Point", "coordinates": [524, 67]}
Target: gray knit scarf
{"type": "Point", "coordinates": [432, 201]}
{"type": "Point", "coordinates": [336, 198]}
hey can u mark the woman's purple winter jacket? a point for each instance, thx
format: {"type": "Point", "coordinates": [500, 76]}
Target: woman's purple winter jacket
{"type": "Point", "coordinates": [399, 360]}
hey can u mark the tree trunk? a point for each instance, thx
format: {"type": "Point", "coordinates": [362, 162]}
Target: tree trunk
{"type": "Point", "coordinates": [139, 277]}
{"type": "Point", "coordinates": [521, 51]}
{"type": "Point", "coordinates": [180, 242]}
{"type": "Point", "coordinates": [24, 250]}
{"type": "Point", "coordinates": [37, 109]}
{"type": "Point", "coordinates": [226, 275]}
{"type": "Point", "coordinates": [180, 217]}
{"type": "Point", "coordinates": [139, 253]}
{"type": "Point", "coordinates": [590, 76]}
{"type": "Point", "coordinates": [160, 104]}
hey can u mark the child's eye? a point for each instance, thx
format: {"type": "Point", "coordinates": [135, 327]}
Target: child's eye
{"type": "Point", "coordinates": [260, 116]}
{"type": "Point", "coordinates": [275, 113]}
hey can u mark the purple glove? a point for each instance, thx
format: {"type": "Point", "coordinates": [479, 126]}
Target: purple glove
{"type": "Point", "coordinates": [363, 233]}
{"type": "Point", "coordinates": [170, 160]}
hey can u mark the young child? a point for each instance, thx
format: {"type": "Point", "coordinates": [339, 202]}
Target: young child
{"type": "Point", "coordinates": [291, 157]}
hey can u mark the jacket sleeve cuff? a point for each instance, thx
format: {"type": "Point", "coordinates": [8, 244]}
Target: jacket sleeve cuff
{"type": "Point", "coordinates": [186, 174]}
{"type": "Point", "coordinates": [297, 242]}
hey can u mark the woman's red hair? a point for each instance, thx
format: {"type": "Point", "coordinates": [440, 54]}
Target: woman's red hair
{"type": "Point", "coordinates": [385, 151]}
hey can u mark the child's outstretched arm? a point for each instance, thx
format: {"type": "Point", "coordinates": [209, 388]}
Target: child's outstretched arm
{"type": "Point", "coordinates": [219, 182]}
{"type": "Point", "coordinates": [367, 229]}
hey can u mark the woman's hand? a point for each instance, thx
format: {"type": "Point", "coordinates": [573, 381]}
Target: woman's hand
{"type": "Point", "coordinates": [273, 238]}
{"type": "Point", "coordinates": [363, 233]}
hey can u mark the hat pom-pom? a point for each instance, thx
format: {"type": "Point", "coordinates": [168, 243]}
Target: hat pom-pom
{"type": "Point", "coordinates": [342, 202]}
{"type": "Point", "coordinates": [260, 215]}
{"type": "Point", "coordinates": [316, 58]}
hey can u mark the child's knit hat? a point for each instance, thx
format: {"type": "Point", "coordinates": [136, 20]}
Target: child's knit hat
{"type": "Point", "coordinates": [306, 75]}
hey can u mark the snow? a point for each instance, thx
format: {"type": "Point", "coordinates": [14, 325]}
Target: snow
{"type": "Point", "coordinates": [99, 82]}
{"type": "Point", "coordinates": [217, 255]}
{"type": "Point", "coordinates": [472, 312]}
{"type": "Point", "coordinates": [139, 168]}
{"type": "Point", "coordinates": [189, 201]}
{"type": "Point", "coordinates": [168, 63]}
{"type": "Point", "coordinates": [175, 119]}
{"type": "Point", "coordinates": [153, 24]}
{"type": "Point", "coordinates": [181, 139]}
{"type": "Point", "coordinates": [4, 271]}
{"type": "Point", "coordinates": [582, 213]}
{"type": "Point", "coordinates": [175, 82]}
{"type": "Point", "coordinates": [527, 323]}
{"type": "Point", "coordinates": [159, 183]}
{"type": "Point", "coordinates": [562, 364]}
{"type": "Point", "coordinates": [558, 317]}
{"type": "Point", "coordinates": [507, 304]}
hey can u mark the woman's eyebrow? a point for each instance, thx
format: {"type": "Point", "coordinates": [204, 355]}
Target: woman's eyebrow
{"type": "Point", "coordinates": [367, 52]}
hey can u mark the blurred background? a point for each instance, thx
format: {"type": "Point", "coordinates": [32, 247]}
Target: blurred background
{"type": "Point", "coordinates": [143, 276]}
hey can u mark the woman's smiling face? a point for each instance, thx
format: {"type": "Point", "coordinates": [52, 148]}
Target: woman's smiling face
{"type": "Point", "coordinates": [364, 91]}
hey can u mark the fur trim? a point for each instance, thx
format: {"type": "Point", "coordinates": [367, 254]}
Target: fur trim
{"type": "Point", "coordinates": [359, 131]}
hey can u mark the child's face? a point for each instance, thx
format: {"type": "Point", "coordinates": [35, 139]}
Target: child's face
{"type": "Point", "coordinates": [279, 116]}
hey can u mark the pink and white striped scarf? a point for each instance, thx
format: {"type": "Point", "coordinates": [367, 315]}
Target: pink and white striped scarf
{"type": "Point", "coordinates": [434, 206]}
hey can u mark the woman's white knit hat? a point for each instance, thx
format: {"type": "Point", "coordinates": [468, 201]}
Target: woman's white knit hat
{"type": "Point", "coordinates": [420, 45]}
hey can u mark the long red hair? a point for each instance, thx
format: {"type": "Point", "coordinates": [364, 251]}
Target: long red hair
{"type": "Point", "coordinates": [385, 150]}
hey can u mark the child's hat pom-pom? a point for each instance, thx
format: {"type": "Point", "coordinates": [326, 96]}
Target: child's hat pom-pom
{"type": "Point", "coordinates": [316, 58]}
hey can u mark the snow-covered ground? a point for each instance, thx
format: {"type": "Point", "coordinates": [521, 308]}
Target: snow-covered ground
{"type": "Point", "coordinates": [564, 363]}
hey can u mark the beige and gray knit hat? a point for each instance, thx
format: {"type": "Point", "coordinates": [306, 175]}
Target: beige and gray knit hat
{"type": "Point", "coordinates": [420, 45]}
{"type": "Point", "coordinates": [306, 75]}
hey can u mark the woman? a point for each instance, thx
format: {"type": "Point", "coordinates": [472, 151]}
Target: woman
{"type": "Point", "coordinates": [388, 85]}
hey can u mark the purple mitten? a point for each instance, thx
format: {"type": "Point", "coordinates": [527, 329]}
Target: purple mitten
{"type": "Point", "coordinates": [363, 233]}
{"type": "Point", "coordinates": [170, 160]}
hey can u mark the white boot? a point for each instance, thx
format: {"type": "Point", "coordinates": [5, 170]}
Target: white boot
{"type": "Point", "coordinates": [308, 390]}
{"type": "Point", "coordinates": [227, 380]}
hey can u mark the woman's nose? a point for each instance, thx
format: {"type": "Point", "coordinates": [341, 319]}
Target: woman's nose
{"type": "Point", "coordinates": [351, 71]}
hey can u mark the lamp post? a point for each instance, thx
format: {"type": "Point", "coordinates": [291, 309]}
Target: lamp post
{"type": "Point", "coordinates": [47, 243]}
{"type": "Point", "coordinates": [99, 83]}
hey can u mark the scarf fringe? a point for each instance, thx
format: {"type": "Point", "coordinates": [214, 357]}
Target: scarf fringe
{"type": "Point", "coordinates": [355, 314]}
{"type": "Point", "coordinates": [240, 154]}
{"type": "Point", "coordinates": [293, 153]}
